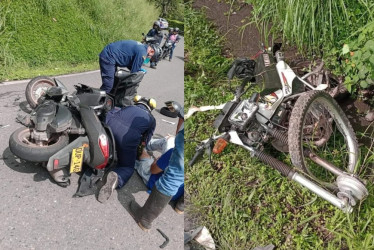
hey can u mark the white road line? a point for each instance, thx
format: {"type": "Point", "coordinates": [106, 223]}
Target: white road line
{"type": "Point", "coordinates": [59, 76]}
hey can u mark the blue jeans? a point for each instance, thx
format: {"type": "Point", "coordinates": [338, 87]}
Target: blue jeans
{"type": "Point", "coordinates": [171, 51]}
{"type": "Point", "coordinates": [173, 177]}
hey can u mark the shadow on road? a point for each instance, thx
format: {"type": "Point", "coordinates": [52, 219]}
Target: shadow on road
{"type": "Point", "coordinates": [16, 164]}
{"type": "Point", "coordinates": [180, 57]}
{"type": "Point", "coordinates": [126, 194]}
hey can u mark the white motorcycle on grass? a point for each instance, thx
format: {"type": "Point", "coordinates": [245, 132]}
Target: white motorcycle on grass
{"type": "Point", "coordinates": [296, 117]}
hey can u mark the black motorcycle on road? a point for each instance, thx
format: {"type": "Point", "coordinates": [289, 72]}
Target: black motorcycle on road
{"type": "Point", "coordinates": [67, 131]}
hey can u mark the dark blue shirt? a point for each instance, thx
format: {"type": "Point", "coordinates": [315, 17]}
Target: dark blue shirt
{"type": "Point", "coordinates": [125, 53]}
{"type": "Point", "coordinates": [156, 34]}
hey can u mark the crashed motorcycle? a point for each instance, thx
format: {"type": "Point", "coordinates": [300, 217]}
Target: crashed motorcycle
{"type": "Point", "coordinates": [66, 131]}
{"type": "Point", "coordinates": [294, 116]}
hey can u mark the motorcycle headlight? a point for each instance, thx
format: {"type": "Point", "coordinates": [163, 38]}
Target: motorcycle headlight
{"type": "Point", "coordinates": [243, 114]}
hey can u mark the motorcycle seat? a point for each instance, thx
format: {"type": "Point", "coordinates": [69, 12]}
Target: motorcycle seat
{"type": "Point", "coordinates": [122, 74]}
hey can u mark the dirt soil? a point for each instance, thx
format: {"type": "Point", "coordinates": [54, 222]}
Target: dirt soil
{"type": "Point", "coordinates": [228, 20]}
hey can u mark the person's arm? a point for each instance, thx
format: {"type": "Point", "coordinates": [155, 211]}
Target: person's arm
{"type": "Point", "coordinates": [137, 62]}
{"type": "Point", "coordinates": [180, 122]}
{"type": "Point", "coordinates": [161, 163]}
{"type": "Point", "coordinates": [151, 32]}
{"type": "Point", "coordinates": [155, 169]}
{"type": "Point", "coordinates": [150, 131]}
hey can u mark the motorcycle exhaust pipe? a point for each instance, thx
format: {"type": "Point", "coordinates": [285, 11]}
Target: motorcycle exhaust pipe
{"type": "Point", "coordinates": [288, 172]}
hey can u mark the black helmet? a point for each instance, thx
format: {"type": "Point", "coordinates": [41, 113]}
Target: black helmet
{"type": "Point", "coordinates": [150, 103]}
{"type": "Point", "coordinates": [157, 50]}
{"type": "Point", "coordinates": [173, 109]}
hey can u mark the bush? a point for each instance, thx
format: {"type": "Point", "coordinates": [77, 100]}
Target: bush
{"type": "Point", "coordinates": [39, 34]}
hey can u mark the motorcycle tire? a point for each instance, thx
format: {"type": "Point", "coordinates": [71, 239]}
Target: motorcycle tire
{"type": "Point", "coordinates": [319, 127]}
{"type": "Point", "coordinates": [164, 54]}
{"type": "Point", "coordinates": [36, 88]}
{"type": "Point", "coordinates": [21, 145]}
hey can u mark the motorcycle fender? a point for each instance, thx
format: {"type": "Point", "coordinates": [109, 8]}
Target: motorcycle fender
{"type": "Point", "coordinates": [287, 76]}
{"type": "Point", "coordinates": [94, 129]}
{"type": "Point", "coordinates": [63, 156]}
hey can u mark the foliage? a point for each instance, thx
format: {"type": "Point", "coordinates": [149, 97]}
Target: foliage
{"type": "Point", "coordinates": [170, 8]}
{"type": "Point", "coordinates": [176, 23]}
{"type": "Point", "coordinates": [310, 25]}
{"type": "Point", "coordinates": [358, 59]}
{"type": "Point", "coordinates": [321, 28]}
{"type": "Point", "coordinates": [37, 34]}
{"type": "Point", "coordinates": [247, 204]}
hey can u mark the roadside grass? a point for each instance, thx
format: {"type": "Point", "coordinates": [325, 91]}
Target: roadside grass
{"type": "Point", "coordinates": [246, 203]}
{"type": "Point", "coordinates": [42, 35]}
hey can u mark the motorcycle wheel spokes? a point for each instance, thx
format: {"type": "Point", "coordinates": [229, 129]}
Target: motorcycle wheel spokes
{"type": "Point", "coordinates": [37, 88]}
{"type": "Point", "coordinates": [326, 144]}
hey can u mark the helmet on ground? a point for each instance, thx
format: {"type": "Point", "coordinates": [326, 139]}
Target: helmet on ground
{"type": "Point", "coordinates": [158, 24]}
{"type": "Point", "coordinates": [176, 29]}
{"type": "Point", "coordinates": [157, 50]}
{"type": "Point", "coordinates": [150, 103]}
{"type": "Point", "coordinates": [173, 109]}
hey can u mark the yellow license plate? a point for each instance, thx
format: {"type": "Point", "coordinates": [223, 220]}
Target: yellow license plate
{"type": "Point", "coordinates": [76, 160]}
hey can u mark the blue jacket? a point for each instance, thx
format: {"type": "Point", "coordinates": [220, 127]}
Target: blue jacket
{"type": "Point", "coordinates": [125, 53]}
{"type": "Point", "coordinates": [156, 34]}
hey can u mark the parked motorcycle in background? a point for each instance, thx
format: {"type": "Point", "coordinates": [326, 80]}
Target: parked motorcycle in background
{"type": "Point", "coordinates": [295, 116]}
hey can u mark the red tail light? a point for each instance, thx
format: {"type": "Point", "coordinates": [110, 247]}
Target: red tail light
{"type": "Point", "coordinates": [55, 163]}
{"type": "Point", "coordinates": [104, 147]}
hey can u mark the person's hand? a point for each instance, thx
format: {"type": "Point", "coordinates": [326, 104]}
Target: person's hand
{"type": "Point", "coordinates": [143, 70]}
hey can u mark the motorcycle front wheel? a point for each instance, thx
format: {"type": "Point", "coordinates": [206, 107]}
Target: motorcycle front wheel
{"type": "Point", "coordinates": [321, 140]}
{"type": "Point", "coordinates": [23, 146]}
{"type": "Point", "coordinates": [37, 88]}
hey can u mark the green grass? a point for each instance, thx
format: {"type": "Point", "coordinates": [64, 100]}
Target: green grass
{"type": "Point", "coordinates": [41, 35]}
{"type": "Point", "coordinates": [247, 203]}
{"type": "Point", "coordinates": [313, 26]}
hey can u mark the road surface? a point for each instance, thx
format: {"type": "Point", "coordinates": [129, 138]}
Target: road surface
{"type": "Point", "coordinates": [35, 213]}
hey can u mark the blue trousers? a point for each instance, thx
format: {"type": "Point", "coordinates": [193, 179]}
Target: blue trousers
{"type": "Point", "coordinates": [107, 71]}
{"type": "Point", "coordinates": [173, 177]}
{"type": "Point", "coordinates": [128, 125]}
{"type": "Point", "coordinates": [171, 51]}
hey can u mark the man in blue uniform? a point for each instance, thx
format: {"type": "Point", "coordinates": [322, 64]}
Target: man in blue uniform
{"type": "Point", "coordinates": [168, 184]}
{"type": "Point", "coordinates": [130, 126]}
{"type": "Point", "coordinates": [156, 33]}
{"type": "Point", "coordinates": [124, 53]}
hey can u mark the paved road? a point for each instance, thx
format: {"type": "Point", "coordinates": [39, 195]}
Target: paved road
{"type": "Point", "coordinates": [35, 213]}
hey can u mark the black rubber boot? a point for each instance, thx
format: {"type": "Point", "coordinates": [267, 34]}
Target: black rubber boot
{"type": "Point", "coordinates": [179, 206]}
{"type": "Point", "coordinates": [152, 208]}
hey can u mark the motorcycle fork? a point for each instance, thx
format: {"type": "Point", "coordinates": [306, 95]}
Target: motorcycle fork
{"type": "Point", "coordinates": [345, 198]}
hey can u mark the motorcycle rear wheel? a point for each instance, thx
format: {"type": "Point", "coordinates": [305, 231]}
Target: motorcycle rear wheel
{"type": "Point", "coordinates": [21, 145]}
{"type": "Point", "coordinates": [319, 126]}
{"type": "Point", "coordinates": [37, 88]}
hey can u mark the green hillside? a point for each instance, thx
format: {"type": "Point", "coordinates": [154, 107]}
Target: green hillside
{"type": "Point", "coordinates": [60, 36]}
